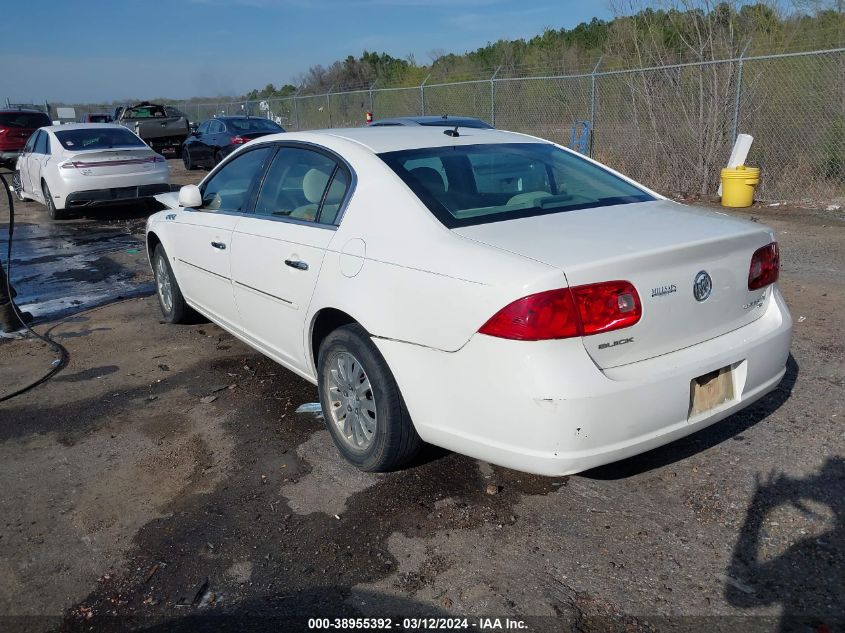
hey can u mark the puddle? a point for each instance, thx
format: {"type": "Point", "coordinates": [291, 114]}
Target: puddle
{"type": "Point", "coordinates": [61, 269]}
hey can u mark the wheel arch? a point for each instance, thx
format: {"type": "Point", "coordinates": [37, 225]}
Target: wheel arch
{"type": "Point", "coordinates": [324, 322]}
{"type": "Point", "coordinates": [153, 240]}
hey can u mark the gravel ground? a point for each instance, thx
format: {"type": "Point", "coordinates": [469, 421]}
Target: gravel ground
{"type": "Point", "coordinates": [128, 502]}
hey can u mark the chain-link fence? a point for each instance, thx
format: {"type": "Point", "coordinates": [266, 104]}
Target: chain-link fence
{"type": "Point", "coordinates": [670, 127]}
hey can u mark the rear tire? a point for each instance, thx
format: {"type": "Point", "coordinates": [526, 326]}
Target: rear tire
{"type": "Point", "coordinates": [361, 402]}
{"type": "Point", "coordinates": [218, 158]}
{"type": "Point", "coordinates": [187, 160]}
{"type": "Point", "coordinates": [174, 309]}
{"type": "Point", "coordinates": [55, 214]}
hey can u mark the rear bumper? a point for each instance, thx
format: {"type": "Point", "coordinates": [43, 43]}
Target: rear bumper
{"type": "Point", "coordinates": [546, 408]}
{"type": "Point", "coordinates": [92, 197]}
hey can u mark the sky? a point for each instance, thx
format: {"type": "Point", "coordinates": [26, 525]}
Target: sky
{"type": "Point", "coordinates": [103, 50]}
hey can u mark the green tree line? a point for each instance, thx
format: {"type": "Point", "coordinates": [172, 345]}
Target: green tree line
{"type": "Point", "coordinates": [648, 36]}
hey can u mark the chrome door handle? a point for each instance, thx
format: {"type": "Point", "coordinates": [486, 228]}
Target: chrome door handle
{"type": "Point", "coordinates": [296, 264]}
{"type": "Point", "coordinates": [219, 245]}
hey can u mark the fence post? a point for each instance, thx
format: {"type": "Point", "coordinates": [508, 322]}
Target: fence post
{"type": "Point", "coordinates": [739, 91]}
{"type": "Point", "coordinates": [329, 104]}
{"type": "Point", "coordinates": [593, 104]}
{"type": "Point", "coordinates": [422, 94]}
{"type": "Point", "coordinates": [295, 108]}
{"type": "Point", "coordinates": [372, 86]}
{"type": "Point", "coordinates": [493, 97]}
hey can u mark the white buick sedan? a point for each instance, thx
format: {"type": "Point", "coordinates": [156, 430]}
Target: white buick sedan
{"type": "Point", "coordinates": [68, 167]}
{"type": "Point", "coordinates": [484, 291]}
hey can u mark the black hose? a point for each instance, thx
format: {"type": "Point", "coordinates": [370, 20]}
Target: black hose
{"type": "Point", "coordinates": [64, 357]}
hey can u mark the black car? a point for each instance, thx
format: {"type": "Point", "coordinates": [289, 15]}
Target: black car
{"type": "Point", "coordinates": [435, 121]}
{"type": "Point", "coordinates": [214, 139]}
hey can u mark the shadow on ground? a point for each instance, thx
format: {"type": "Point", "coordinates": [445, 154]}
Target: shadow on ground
{"type": "Point", "coordinates": [808, 578]}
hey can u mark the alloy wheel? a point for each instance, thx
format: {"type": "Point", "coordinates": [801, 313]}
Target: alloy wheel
{"type": "Point", "coordinates": [351, 400]}
{"type": "Point", "coordinates": [164, 285]}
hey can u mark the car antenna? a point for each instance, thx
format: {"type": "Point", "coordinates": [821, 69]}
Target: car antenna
{"type": "Point", "coordinates": [452, 132]}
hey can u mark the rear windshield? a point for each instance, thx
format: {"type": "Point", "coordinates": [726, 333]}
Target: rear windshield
{"type": "Point", "coordinates": [477, 184]}
{"type": "Point", "coordinates": [98, 138]}
{"type": "Point", "coordinates": [245, 126]}
{"type": "Point", "coordinates": [145, 112]}
{"type": "Point", "coordinates": [25, 120]}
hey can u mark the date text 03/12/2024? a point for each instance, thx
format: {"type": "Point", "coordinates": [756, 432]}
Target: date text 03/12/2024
{"type": "Point", "coordinates": [418, 624]}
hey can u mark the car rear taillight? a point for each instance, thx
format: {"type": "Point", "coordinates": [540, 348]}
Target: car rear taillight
{"type": "Point", "coordinates": [567, 312]}
{"type": "Point", "coordinates": [239, 140]}
{"type": "Point", "coordinates": [538, 317]}
{"type": "Point", "coordinates": [765, 266]}
{"type": "Point", "coordinates": [607, 306]}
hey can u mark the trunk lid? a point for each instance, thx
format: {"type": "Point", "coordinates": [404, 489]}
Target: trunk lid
{"type": "Point", "coordinates": [660, 247]}
{"type": "Point", "coordinates": [113, 162]}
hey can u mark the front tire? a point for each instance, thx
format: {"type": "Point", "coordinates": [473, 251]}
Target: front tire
{"type": "Point", "coordinates": [361, 402]}
{"type": "Point", "coordinates": [55, 214]}
{"type": "Point", "coordinates": [17, 185]}
{"type": "Point", "coordinates": [174, 309]}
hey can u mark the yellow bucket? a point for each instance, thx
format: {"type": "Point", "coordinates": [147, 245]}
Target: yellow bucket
{"type": "Point", "coordinates": [738, 185]}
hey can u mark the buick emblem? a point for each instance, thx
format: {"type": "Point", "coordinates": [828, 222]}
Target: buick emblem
{"type": "Point", "coordinates": [702, 286]}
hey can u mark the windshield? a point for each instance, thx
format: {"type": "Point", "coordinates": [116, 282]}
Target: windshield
{"type": "Point", "coordinates": [25, 120]}
{"type": "Point", "coordinates": [245, 126]}
{"type": "Point", "coordinates": [98, 138]}
{"type": "Point", "coordinates": [145, 112]}
{"type": "Point", "coordinates": [477, 184]}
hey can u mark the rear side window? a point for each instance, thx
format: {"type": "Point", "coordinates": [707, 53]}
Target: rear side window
{"type": "Point", "coordinates": [42, 143]}
{"type": "Point", "coordinates": [25, 120]}
{"type": "Point", "coordinates": [476, 184]}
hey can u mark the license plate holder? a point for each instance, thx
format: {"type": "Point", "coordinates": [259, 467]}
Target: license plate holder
{"type": "Point", "coordinates": [711, 390]}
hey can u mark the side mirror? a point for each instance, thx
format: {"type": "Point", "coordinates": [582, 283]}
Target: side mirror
{"type": "Point", "coordinates": [190, 196]}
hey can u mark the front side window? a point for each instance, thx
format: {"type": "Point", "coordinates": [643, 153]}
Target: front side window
{"type": "Point", "coordinates": [478, 184]}
{"type": "Point", "coordinates": [303, 185]}
{"type": "Point", "coordinates": [229, 188]}
{"type": "Point", "coordinates": [98, 138]}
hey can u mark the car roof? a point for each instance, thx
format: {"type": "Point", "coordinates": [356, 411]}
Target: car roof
{"type": "Point", "coordinates": [395, 138]}
{"type": "Point", "coordinates": [421, 120]}
{"type": "Point", "coordinates": [81, 126]}
{"type": "Point", "coordinates": [14, 110]}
